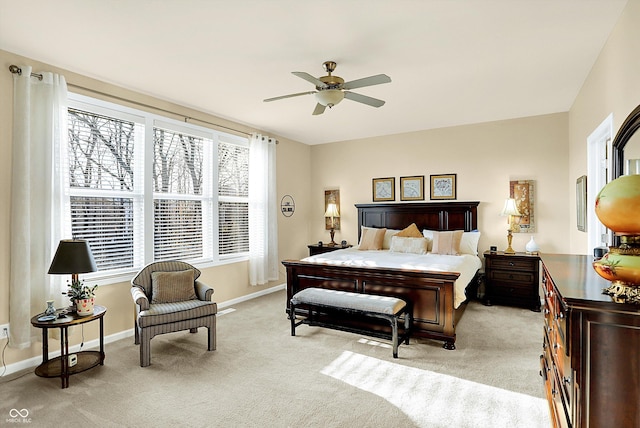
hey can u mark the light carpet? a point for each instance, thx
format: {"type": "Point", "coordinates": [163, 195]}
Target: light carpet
{"type": "Point", "coordinates": [260, 376]}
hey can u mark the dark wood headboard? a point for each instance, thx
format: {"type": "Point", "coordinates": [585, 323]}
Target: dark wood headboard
{"type": "Point", "coordinates": [430, 215]}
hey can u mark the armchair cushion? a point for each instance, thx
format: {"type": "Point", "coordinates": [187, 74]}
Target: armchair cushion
{"type": "Point", "coordinates": [165, 313]}
{"type": "Point", "coordinates": [170, 287]}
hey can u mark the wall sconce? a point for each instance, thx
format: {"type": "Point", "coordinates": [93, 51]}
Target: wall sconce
{"type": "Point", "coordinates": [332, 212]}
{"type": "Point", "coordinates": [510, 209]}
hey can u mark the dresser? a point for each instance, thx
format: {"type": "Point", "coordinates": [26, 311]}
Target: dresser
{"type": "Point", "coordinates": [512, 279]}
{"type": "Point", "coordinates": [590, 362]}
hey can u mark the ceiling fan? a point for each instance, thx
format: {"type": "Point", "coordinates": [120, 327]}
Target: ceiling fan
{"type": "Point", "coordinates": [330, 90]}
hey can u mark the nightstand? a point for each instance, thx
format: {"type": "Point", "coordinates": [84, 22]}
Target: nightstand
{"type": "Point", "coordinates": [512, 279]}
{"type": "Point", "coordinates": [320, 249]}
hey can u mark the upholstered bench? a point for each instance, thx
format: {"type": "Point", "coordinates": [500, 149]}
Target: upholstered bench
{"type": "Point", "coordinates": [367, 305]}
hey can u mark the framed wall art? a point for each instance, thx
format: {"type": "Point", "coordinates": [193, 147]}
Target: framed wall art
{"type": "Point", "coordinates": [581, 203]}
{"type": "Point", "coordinates": [523, 191]}
{"type": "Point", "coordinates": [384, 189]}
{"type": "Point", "coordinates": [443, 186]}
{"type": "Point", "coordinates": [412, 188]}
{"type": "Point", "coordinates": [332, 197]}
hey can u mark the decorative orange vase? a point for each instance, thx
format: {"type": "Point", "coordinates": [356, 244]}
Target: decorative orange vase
{"type": "Point", "coordinates": [618, 208]}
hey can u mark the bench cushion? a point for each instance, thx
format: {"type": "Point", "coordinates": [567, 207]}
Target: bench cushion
{"type": "Point", "coordinates": [344, 299]}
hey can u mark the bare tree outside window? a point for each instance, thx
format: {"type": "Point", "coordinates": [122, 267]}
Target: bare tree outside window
{"type": "Point", "coordinates": [100, 152]}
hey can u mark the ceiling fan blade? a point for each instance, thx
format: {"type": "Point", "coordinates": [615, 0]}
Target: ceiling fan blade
{"type": "Point", "coordinates": [288, 96]}
{"type": "Point", "coordinates": [309, 78]}
{"type": "Point", "coordinates": [373, 102]}
{"type": "Point", "coordinates": [319, 109]}
{"type": "Point", "coordinates": [367, 81]}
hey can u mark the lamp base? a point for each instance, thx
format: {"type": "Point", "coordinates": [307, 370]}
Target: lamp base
{"type": "Point", "coordinates": [332, 233]}
{"type": "Point", "coordinates": [509, 250]}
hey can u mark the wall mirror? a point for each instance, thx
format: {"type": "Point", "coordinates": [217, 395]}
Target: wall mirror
{"type": "Point", "coordinates": [626, 145]}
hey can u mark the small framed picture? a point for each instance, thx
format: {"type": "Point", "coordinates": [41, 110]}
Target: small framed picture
{"type": "Point", "coordinates": [384, 189]}
{"type": "Point", "coordinates": [443, 186]}
{"type": "Point", "coordinates": [412, 188]}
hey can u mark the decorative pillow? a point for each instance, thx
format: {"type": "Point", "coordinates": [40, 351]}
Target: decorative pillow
{"type": "Point", "coordinates": [386, 242]}
{"type": "Point", "coordinates": [169, 287]}
{"type": "Point", "coordinates": [401, 244]}
{"type": "Point", "coordinates": [469, 243]}
{"type": "Point", "coordinates": [428, 234]}
{"type": "Point", "coordinates": [410, 231]}
{"type": "Point", "coordinates": [447, 242]}
{"type": "Point", "coordinates": [371, 238]}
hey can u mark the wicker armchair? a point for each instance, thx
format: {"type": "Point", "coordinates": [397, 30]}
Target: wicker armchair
{"type": "Point", "coordinates": [165, 303]}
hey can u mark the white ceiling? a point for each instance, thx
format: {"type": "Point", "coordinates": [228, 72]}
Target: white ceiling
{"type": "Point", "coordinates": [451, 62]}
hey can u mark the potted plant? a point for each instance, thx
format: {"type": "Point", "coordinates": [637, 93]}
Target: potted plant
{"type": "Point", "coordinates": [82, 296]}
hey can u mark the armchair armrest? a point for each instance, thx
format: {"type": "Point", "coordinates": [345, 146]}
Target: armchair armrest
{"type": "Point", "coordinates": [203, 291]}
{"type": "Point", "coordinates": [140, 298]}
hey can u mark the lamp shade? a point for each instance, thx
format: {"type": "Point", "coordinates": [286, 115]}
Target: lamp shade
{"type": "Point", "coordinates": [510, 208]}
{"type": "Point", "coordinates": [332, 211]}
{"type": "Point", "coordinates": [73, 256]}
{"type": "Point", "coordinates": [329, 97]}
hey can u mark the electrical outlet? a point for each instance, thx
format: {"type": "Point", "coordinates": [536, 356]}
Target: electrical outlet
{"type": "Point", "coordinates": [4, 331]}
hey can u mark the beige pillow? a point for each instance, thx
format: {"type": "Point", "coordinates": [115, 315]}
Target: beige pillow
{"type": "Point", "coordinates": [409, 245]}
{"type": "Point", "coordinates": [170, 287]}
{"type": "Point", "coordinates": [410, 231]}
{"type": "Point", "coordinates": [371, 239]}
{"type": "Point", "coordinates": [447, 242]}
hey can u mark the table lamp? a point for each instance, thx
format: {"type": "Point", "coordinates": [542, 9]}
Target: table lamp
{"type": "Point", "coordinates": [510, 209]}
{"type": "Point", "coordinates": [332, 212]}
{"type": "Point", "coordinates": [73, 256]}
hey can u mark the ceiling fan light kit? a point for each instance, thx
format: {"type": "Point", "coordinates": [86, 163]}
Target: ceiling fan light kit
{"type": "Point", "coordinates": [329, 97]}
{"type": "Point", "coordinates": [330, 90]}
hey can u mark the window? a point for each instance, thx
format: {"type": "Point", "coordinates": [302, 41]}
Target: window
{"type": "Point", "coordinates": [143, 187]}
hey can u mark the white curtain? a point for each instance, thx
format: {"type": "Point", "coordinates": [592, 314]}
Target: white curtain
{"type": "Point", "coordinates": [39, 135]}
{"type": "Point", "coordinates": [263, 221]}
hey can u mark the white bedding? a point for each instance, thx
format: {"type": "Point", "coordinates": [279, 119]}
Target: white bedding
{"type": "Point", "coordinates": [467, 265]}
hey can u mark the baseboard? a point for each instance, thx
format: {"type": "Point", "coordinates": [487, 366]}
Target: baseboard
{"type": "Point", "coordinates": [264, 292]}
{"type": "Point", "coordinates": [35, 361]}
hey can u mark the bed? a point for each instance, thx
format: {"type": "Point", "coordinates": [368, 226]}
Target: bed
{"type": "Point", "coordinates": [436, 296]}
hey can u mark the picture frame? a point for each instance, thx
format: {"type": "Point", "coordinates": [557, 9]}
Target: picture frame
{"type": "Point", "coordinates": [412, 188]}
{"type": "Point", "coordinates": [523, 191]}
{"type": "Point", "coordinates": [332, 196]}
{"type": "Point", "coordinates": [384, 189]}
{"type": "Point", "coordinates": [443, 186]}
{"type": "Point", "coordinates": [581, 203]}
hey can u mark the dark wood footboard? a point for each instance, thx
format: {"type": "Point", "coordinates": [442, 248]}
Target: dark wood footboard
{"type": "Point", "coordinates": [429, 293]}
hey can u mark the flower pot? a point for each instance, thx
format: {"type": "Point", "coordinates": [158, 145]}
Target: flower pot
{"type": "Point", "coordinates": [84, 307]}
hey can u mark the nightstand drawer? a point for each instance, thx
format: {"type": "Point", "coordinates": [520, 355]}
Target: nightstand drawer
{"type": "Point", "coordinates": [504, 291]}
{"type": "Point", "coordinates": [511, 276]}
{"type": "Point", "coordinates": [508, 263]}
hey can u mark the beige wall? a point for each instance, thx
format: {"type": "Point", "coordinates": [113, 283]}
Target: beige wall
{"type": "Point", "coordinates": [612, 86]}
{"type": "Point", "coordinates": [485, 158]}
{"type": "Point", "coordinates": [230, 281]}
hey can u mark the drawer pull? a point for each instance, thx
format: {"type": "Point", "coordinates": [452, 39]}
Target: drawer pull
{"type": "Point", "coordinates": [511, 264]}
{"type": "Point", "coordinates": [567, 380]}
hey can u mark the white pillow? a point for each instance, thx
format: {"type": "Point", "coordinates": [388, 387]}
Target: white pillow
{"type": "Point", "coordinates": [400, 244]}
{"type": "Point", "coordinates": [469, 243]}
{"type": "Point", "coordinates": [386, 242]}
{"type": "Point", "coordinates": [428, 234]}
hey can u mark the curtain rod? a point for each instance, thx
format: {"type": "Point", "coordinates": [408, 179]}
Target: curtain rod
{"type": "Point", "coordinates": [17, 70]}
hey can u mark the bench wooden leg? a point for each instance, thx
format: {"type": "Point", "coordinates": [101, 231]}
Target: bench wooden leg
{"type": "Point", "coordinates": [292, 317]}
